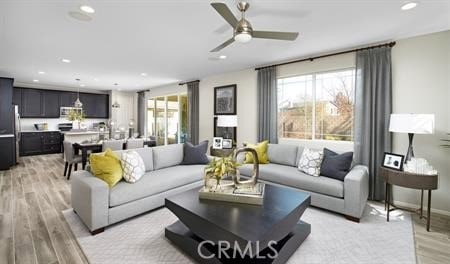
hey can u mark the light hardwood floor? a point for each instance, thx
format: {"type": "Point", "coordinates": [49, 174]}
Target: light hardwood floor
{"type": "Point", "coordinates": [33, 229]}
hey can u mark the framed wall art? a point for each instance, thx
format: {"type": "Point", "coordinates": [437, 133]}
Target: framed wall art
{"type": "Point", "coordinates": [225, 100]}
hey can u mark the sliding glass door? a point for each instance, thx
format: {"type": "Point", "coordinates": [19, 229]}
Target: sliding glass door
{"type": "Point", "coordinates": [167, 119]}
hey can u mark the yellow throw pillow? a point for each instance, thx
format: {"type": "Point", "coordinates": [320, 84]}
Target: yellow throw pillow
{"type": "Point", "coordinates": [107, 167]}
{"type": "Point", "coordinates": [261, 151]}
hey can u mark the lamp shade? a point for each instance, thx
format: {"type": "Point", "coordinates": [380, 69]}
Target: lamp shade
{"type": "Point", "coordinates": [412, 123]}
{"type": "Point", "coordinates": [227, 121]}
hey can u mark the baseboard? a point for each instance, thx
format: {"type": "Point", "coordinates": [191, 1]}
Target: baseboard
{"type": "Point", "coordinates": [410, 205]}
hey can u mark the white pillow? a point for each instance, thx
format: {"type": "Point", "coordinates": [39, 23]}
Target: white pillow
{"type": "Point", "coordinates": [310, 161]}
{"type": "Point", "coordinates": [132, 165]}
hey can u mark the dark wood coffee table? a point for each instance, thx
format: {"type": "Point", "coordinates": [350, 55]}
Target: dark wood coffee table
{"type": "Point", "coordinates": [252, 233]}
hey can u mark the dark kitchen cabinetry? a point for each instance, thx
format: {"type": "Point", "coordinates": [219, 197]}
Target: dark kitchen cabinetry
{"type": "Point", "coordinates": [95, 105]}
{"type": "Point", "coordinates": [32, 103]}
{"type": "Point", "coordinates": [6, 109]}
{"type": "Point", "coordinates": [17, 98]}
{"type": "Point", "coordinates": [36, 143]}
{"type": "Point", "coordinates": [67, 99]}
{"type": "Point", "coordinates": [50, 104]}
{"type": "Point", "coordinates": [35, 103]}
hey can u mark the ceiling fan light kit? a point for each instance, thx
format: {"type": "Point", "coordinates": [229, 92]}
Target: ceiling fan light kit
{"type": "Point", "coordinates": [242, 30]}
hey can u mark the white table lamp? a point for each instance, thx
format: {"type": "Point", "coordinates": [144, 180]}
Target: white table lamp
{"type": "Point", "coordinates": [227, 121]}
{"type": "Point", "coordinates": [411, 124]}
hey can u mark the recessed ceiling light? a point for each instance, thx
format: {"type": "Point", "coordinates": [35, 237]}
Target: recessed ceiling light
{"type": "Point", "coordinates": [222, 57]}
{"type": "Point", "coordinates": [35, 80]}
{"type": "Point", "coordinates": [409, 6]}
{"type": "Point", "coordinates": [144, 74]}
{"type": "Point", "coordinates": [87, 9]}
{"type": "Point", "coordinates": [82, 85]}
{"type": "Point", "coordinates": [65, 60]}
{"type": "Point", "coordinates": [41, 72]}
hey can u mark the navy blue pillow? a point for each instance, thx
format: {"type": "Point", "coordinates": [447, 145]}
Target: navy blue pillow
{"type": "Point", "coordinates": [195, 154]}
{"type": "Point", "coordinates": [335, 165]}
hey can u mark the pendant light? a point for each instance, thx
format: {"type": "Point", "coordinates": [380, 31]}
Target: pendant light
{"type": "Point", "coordinates": [78, 103]}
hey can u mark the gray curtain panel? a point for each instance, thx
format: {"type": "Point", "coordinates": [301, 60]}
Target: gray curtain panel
{"type": "Point", "coordinates": [193, 111]}
{"type": "Point", "coordinates": [373, 106]}
{"type": "Point", "coordinates": [267, 105]}
{"type": "Point", "coordinates": [141, 113]}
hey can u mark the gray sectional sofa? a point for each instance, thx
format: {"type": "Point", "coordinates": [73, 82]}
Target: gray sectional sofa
{"type": "Point", "coordinates": [99, 206]}
{"type": "Point", "coordinates": [347, 197]}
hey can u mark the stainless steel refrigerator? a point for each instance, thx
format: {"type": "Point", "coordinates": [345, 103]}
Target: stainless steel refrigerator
{"type": "Point", "coordinates": [17, 131]}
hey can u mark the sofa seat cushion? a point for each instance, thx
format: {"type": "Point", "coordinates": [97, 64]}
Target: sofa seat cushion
{"type": "Point", "coordinates": [155, 182]}
{"type": "Point", "coordinates": [291, 176]}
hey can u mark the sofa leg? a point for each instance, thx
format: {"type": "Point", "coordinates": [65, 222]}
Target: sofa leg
{"type": "Point", "coordinates": [97, 231]}
{"type": "Point", "coordinates": [352, 218]}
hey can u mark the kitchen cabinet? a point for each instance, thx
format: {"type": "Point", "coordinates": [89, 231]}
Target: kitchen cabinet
{"type": "Point", "coordinates": [17, 98]}
{"type": "Point", "coordinates": [6, 108]}
{"type": "Point", "coordinates": [67, 99]}
{"type": "Point", "coordinates": [31, 103]}
{"type": "Point", "coordinates": [35, 103]}
{"type": "Point", "coordinates": [95, 105]}
{"type": "Point", "coordinates": [7, 153]}
{"type": "Point", "coordinates": [37, 143]}
{"type": "Point", "coordinates": [50, 104]}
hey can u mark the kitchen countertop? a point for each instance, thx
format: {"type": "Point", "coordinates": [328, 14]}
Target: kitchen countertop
{"type": "Point", "coordinates": [86, 132]}
{"type": "Point", "coordinates": [41, 131]}
{"type": "Point", "coordinates": [83, 132]}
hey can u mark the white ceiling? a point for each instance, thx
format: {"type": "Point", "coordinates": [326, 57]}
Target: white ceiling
{"type": "Point", "coordinates": [170, 40]}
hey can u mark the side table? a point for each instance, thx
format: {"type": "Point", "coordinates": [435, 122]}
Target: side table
{"type": "Point", "coordinates": [409, 180]}
{"type": "Point", "coordinates": [221, 152]}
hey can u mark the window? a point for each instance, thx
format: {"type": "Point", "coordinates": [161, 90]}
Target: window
{"type": "Point", "coordinates": [317, 106]}
{"type": "Point", "coordinates": [167, 119]}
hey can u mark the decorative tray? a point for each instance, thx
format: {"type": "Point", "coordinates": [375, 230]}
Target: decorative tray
{"type": "Point", "coordinates": [246, 195]}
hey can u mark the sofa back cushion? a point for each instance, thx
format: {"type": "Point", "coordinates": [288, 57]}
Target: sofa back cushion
{"type": "Point", "coordinates": [299, 154]}
{"type": "Point", "coordinates": [146, 155]}
{"type": "Point", "coordinates": [283, 154]}
{"type": "Point", "coordinates": [167, 156]}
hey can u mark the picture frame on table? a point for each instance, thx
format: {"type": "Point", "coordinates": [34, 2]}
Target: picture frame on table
{"type": "Point", "coordinates": [224, 132]}
{"type": "Point", "coordinates": [225, 100]}
{"type": "Point", "coordinates": [393, 161]}
{"type": "Point", "coordinates": [217, 143]}
{"type": "Point", "coordinates": [227, 143]}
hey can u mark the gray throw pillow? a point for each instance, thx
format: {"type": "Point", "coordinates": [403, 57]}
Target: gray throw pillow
{"type": "Point", "coordinates": [336, 165]}
{"type": "Point", "coordinates": [195, 154]}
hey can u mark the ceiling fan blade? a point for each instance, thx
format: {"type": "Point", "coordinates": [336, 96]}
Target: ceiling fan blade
{"type": "Point", "coordinates": [226, 13]}
{"type": "Point", "coordinates": [275, 35]}
{"type": "Point", "coordinates": [223, 45]}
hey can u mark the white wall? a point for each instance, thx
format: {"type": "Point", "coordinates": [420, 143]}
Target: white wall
{"type": "Point", "coordinates": [246, 104]}
{"type": "Point", "coordinates": [127, 109]}
{"type": "Point", "coordinates": [421, 84]}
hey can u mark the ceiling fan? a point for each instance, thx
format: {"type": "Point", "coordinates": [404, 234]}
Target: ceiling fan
{"type": "Point", "coordinates": [243, 31]}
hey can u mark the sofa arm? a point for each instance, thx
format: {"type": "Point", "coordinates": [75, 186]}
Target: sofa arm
{"type": "Point", "coordinates": [356, 191]}
{"type": "Point", "coordinates": [90, 199]}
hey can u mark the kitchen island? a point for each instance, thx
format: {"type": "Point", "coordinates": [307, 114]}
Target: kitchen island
{"type": "Point", "coordinates": [79, 136]}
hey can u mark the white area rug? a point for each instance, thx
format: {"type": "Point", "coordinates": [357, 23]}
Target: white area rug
{"type": "Point", "coordinates": [333, 239]}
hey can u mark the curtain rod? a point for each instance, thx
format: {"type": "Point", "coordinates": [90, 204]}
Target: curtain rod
{"type": "Point", "coordinates": [390, 44]}
{"type": "Point", "coordinates": [183, 83]}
